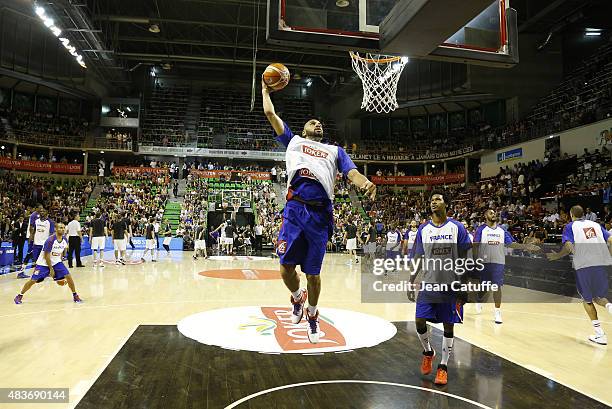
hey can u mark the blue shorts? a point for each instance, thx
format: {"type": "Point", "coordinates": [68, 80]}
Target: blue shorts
{"type": "Point", "coordinates": [392, 254]}
{"type": "Point", "coordinates": [493, 273]}
{"type": "Point", "coordinates": [592, 282]}
{"type": "Point", "coordinates": [42, 272]}
{"type": "Point", "coordinates": [303, 236]}
{"type": "Point", "coordinates": [439, 307]}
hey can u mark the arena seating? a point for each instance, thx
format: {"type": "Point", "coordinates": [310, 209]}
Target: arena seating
{"type": "Point", "coordinates": [20, 193]}
{"type": "Point", "coordinates": [164, 119]}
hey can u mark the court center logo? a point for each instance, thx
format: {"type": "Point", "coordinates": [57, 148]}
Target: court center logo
{"type": "Point", "coordinates": [269, 330]}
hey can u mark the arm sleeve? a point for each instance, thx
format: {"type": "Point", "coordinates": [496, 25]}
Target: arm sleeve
{"type": "Point", "coordinates": [51, 227]}
{"type": "Point", "coordinates": [49, 244]}
{"type": "Point", "coordinates": [478, 234]}
{"type": "Point", "coordinates": [463, 239]}
{"type": "Point", "coordinates": [345, 163]}
{"type": "Point", "coordinates": [606, 234]}
{"type": "Point", "coordinates": [32, 220]}
{"type": "Point", "coordinates": [508, 239]}
{"type": "Point", "coordinates": [417, 248]}
{"type": "Point", "coordinates": [568, 234]}
{"type": "Point", "coordinates": [286, 136]}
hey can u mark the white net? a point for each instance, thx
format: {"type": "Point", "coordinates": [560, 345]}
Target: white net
{"type": "Point", "coordinates": [379, 76]}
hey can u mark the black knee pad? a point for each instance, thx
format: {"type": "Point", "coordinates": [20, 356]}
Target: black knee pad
{"type": "Point", "coordinates": [421, 329]}
{"type": "Point", "coordinates": [448, 334]}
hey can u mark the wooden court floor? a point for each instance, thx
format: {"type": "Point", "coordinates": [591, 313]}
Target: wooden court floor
{"type": "Point", "coordinates": [121, 348]}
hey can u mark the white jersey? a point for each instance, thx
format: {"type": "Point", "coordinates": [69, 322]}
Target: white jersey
{"type": "Point", "coordinates": [393, 240]}
{"type": "Point", "coordinates": [590, 243]}
{"type": "Point", "coordinates": [55, 247]}
{"type": "Point", "coordinates": [441, 243]}
{"type": "Point", "coordinates": [492, 242]}
{"type": "Point", "coordinates": [44, 228]}
{"type": "Point", "coordinates": [411, 238]}
{"type": "Point", "coordinates": [319, 158]}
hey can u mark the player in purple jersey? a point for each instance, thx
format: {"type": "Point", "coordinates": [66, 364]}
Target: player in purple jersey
{"type": "Point", "coordinates": [312, 167]}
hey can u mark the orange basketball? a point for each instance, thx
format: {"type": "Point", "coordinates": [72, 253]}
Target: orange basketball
{"type": "Point", "coordinates": [61, 282]}
{"type": "Point", "coordinates": [276, 76]}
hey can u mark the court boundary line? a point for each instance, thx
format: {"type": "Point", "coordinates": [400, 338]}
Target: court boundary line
{"type": "Point", "coordinates": [350, 381]}
{"type": "Point", "coordinates": [533, 369]}
{"type": "Point", "coordinates": [108, 362]}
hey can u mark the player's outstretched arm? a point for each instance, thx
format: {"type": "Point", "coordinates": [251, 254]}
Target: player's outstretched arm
{"type": "Point", "coordinates": [362, 183]}
{"type": "Point", "coordinates": [269, 110]}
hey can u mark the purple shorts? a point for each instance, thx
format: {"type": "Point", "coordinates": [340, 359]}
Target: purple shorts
{"type": "Point", "coordinates": [42, 272]}
{"type": "Point", "coordinates": [592, 282]}
{"type": "Point", "coordinates": [494, 273]}
{"type": "Point", "coordinates": [392, 254]}
{"type": "Point", "coordinates": [303, 236]}
{"type": "Point", "coordinates": [439, 307]}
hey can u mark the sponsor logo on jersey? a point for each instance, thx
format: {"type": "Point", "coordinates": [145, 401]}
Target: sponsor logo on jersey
{"type": "Point", "coordinates": [589, 232]}
{"type": "Point", "coordinates": [317, 153]}
{"type": "Point", "coordinates": [281, 247]}
{"type": "Point", "coordinates": [306, 173]}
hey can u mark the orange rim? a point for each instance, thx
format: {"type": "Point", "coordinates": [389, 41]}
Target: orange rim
{"type": "Point", "coordinates": [374, 60]}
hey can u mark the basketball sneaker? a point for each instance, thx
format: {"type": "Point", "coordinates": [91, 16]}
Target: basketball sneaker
{"type": "Point", "coordinates": [427, 363]}
{"type": "Point", "coordinates": [298, 307]}
{"type": "Point", "coordinates": [498, 316]}
{"type": "Point", "coordinates": [77, 299]}
{"type": "Point", "coordinates": [18, 299]}
{"type": "Point", "coordinates": [313, 327]}
{"type": "Point", "coordinates": [441, 375]}
{"type": "Point", "coordinates": [22, 275]}
{"type": "Point", "coordinates": [600, 339]}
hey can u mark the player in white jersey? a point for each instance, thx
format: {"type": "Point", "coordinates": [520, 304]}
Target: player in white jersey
{"type": "Point", "coordinates": [42, 228]}
{"type": "Point", "coordinates": [409, 238]}
{"type": "Point", "coordinates": [490, 242]}
{"type": "Point", "coordinates": [312, 167]}
{"type": "Point", "coordinates": [591, 245]}
{"type": "Point", "coordinates": [49, 263]}
{"type": "Point", "coordinates": [439, 242]}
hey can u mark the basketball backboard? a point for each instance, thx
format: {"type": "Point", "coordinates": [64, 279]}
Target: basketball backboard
{"type": "Point", "coordinates": [474, 31]}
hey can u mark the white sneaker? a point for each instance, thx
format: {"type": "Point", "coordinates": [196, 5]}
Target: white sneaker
{"type": "Point", "coordinates": [298, 307]}
{"type": "Point", "coordinates": [498, 317]}
{"type": "Point", "coordinates": [313, 327]}
{"type": "Point", "coordinates": [599, 339]}
{"type": "Point", "coordinates": [478, 308]}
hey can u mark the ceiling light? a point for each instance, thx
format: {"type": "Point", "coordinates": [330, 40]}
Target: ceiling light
{"type": "Point", "coordinates": [154, 28]}
{"type": "Point", "coordinates": [342, 3]}
{"type": "Point", "coordinates": [40, 11]}
{"type": "Point", "coordinates": [592, 33]}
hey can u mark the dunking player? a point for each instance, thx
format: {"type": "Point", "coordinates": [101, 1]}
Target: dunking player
{"type": "Point", "coordinates": [312, 167]}
{"type": "Point", "coordinates": [439, 242]}
{"type": "Point", "coordinates": [490, 241]}
{"type": "Point", "coordinates": [592, 248]}
{"type": "Point", "coordinates": [49, 263]}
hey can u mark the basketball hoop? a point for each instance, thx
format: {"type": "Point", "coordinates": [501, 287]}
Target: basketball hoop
{"type": "Point", "coordinates": [236, 203]}
{"type": "Point", "coordinates": [379, 76]}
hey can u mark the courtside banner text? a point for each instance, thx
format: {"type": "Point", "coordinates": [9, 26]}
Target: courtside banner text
{"type": "Point", "coordinates": [32, 166]}
{"type": "Point", "coordinates": [117, 170]}
{"type": "Point", "coordinates": [419, 180]}
{"type": "Point", "coordinates": [227, 174]}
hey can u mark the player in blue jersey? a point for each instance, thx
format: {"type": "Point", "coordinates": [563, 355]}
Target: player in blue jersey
{"type": "Point", "coordinates": [312, 167]}
{"type": "Point", "coordinates": [440, 241]}
{"type": "Point", "coordinates": [49, 263]}
{"type": "Point", "coordinates": [591, 245]}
